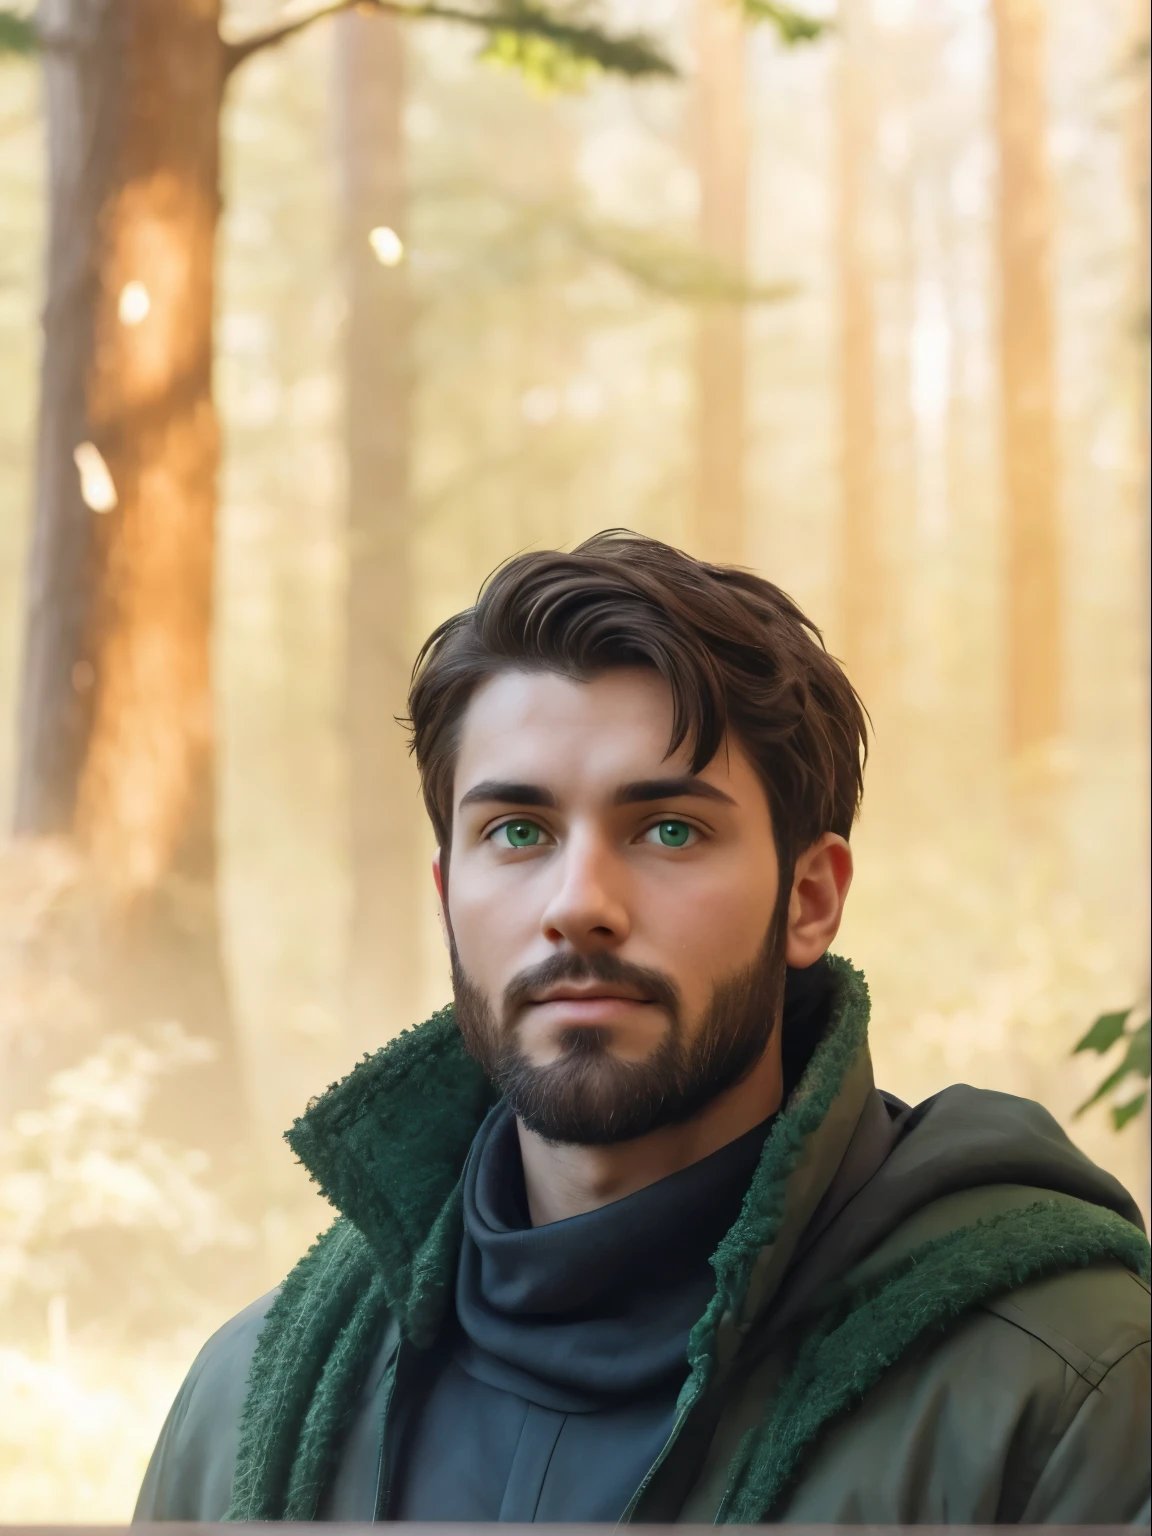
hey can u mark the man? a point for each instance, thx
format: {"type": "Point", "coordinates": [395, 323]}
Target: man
{"type": "Point", "coordinates": [629, 1234]}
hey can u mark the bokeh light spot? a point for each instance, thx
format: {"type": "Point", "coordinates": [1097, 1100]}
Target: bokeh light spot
{"type": "Point", "coordinates": [96, 485]}
{"type": "Point", "coordinates": [387, 246]}
{"type": "Point", "coordinates": [135, 303]}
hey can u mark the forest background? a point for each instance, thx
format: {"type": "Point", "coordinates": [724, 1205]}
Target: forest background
{"type": "Point", "coordinates": [854, 296]}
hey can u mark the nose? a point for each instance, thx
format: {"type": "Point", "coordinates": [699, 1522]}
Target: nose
{"type": "Point", "coordinates": [588, 907]}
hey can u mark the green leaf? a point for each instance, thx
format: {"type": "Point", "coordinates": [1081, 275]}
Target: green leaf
{"type": "Point", "coordinates": [1137, 1062]}
{"type": "Point", "coordinates": [1113, 1080]}
{"type": "Point", "coordinates": [546, 65]}
{"type": "Point", "coordinates": [1139, 1057]}
{"type": "Point", "coordinates": [1122, 1113]}
{"type": "Point", "coordinates": [554, 53]}
{"type": "Point", "coordinates": [17, 34]}
{"type": "Point", "coordinates": [1104, 1033]}
{"type": "Point", "coordinates": [793, 26]}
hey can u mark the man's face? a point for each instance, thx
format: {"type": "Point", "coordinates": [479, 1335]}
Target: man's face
{"type": "Point", "coordinates": [610, 911]}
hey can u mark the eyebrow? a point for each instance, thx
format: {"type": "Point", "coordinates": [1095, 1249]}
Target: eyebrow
{"type": "Point", "coordinates": [507, 792]}
{"type": "Point", "coordinates": [642, 792]}
{"type": "Point", "coordinates": [680, 786]}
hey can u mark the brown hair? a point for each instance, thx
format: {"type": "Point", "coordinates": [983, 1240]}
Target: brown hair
{"type": "Point", "coordinates": [736, 652]}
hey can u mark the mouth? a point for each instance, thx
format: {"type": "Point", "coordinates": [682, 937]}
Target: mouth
{"type": "Point", "coordinates": [594, 1005]}
{"type": "Point", "coordinates": [595, 991]}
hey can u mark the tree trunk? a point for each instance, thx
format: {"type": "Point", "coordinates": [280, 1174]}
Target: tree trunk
{"type": "Point", "coordinates": [1139, 177]}
{"type": "Point", "coordinates": [1139, 135]}
{"type": "Point", "coordinates": [386, 814]}
{"type": "Point", "coordinates": [116, 747]}
{"type": "Point", "coordinates": [1034, 627]}
{"type": "Point", "coordinates": [717, 530]}
{"type": "Point", "coordinates": [862, 595]}
{"type": "Point", "coordinates": [82, 85]}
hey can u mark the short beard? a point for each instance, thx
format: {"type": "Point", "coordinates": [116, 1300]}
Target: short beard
{"type": "Point", "coordinates": [588, 1097]}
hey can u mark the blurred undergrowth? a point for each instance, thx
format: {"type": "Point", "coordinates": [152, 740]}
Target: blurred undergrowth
{"type": "Point", "coordinates": [98, 1216]}
{"type": "Point", "coordinates": [118, 1250]}
{"type": "Point", "coordinates": [121, 1248]}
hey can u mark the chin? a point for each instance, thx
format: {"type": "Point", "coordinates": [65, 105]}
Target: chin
{"type": "Point", "coordinates": [612, 1044]}
{"type": "Point", "coordinates": [588, 1094]}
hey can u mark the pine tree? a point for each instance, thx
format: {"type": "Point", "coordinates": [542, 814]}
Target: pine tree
{"type": "Point", "coordinates": [385, 817]}
{"type": "Point", "coordinates": [1027, 381]}
{"type": "Point", "coordinates": [717, 528]}
{"type": "Point", "coordinates": [721, 362]}
{"type": "Point", "coordinates": [862, 598]}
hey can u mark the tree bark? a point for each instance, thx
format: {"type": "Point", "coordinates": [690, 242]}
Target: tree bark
{"type": "Point", "coordinates": [117, 747]}
{"type": "Point", "coordinates": [82, 84]}
{"type": "Point", "coordinates": [717, 528]}
{"type": "Point", "coordinates": [386, 816]}
{"type": "Point", "coordinates": [1139, 134]}
{"type": "Point", "coordinates": [1034, 578]}
{"type": "Point", "coordinates": [862, 594]}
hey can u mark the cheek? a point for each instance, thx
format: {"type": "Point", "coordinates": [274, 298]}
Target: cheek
{"type": "Point", "coordinates": [709, 932]}
{"type": "Point", "coordinates": [489, 919]}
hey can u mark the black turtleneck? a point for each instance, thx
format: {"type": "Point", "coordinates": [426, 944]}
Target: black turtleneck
{"type": "Point", "coordinates": [556, 1390]}
{"type": "Point", "coordinates": [583, 1313]}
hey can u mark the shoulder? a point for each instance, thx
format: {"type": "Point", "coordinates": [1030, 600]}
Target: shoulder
{"type": "Point", "coordinates": [1046, 1349]}
{"type": "Point", "coordinates": [1032, 1407]}
{"type": "Point", "coordinates": [218, 1376]}
{"type": "Point", "coordinates": [190, 1474]}
{"type": "Point", "coordinates": [1088, 1318]}
{"type": "Point", "coordinates": [1063, 1367]}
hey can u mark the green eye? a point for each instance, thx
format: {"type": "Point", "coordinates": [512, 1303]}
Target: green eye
{"type": "Point", "coordinates": [518, 834]}
{"type": "Point", "coordinates": [672, 834]}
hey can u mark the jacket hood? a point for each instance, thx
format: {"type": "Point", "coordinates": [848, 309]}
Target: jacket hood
{"type": "Point", "coordinates": [966, 1137]}
{"type": "Point", "coordinates": [913, 1174]}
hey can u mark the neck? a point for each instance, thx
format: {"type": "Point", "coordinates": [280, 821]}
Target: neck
{"type": "Point", "coordinates": [567, 1180]}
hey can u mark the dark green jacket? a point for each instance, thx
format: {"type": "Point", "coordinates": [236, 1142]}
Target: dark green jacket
{"type": "Point", "coordinates": [941, 1317]}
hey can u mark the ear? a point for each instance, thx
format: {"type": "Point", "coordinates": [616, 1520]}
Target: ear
{"type": "Point", "coordinates": [820, 885]}
{"type": "Point", "coordinates": [437, 876]}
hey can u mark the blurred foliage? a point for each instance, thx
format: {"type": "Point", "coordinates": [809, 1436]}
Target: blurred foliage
{"type": "Point", "coordinates": [793, 26]}
{"type": "Point", "coordinates": [1132, 1028]}
{"type": "Point", "coordinates": [515, 238]}
{"type": "Point", "coordinates": [93, 1207]}
{"type": "Point", "coordinates": [671, 268]}
{"type": "Point", "coordinates": [17, 33]}
{"type": "Point", "coordinates": [552, 51]}
{"type": "Point", "coordinates": [545, 64]}
{"type": "Point", "coordinates": [555, 53]}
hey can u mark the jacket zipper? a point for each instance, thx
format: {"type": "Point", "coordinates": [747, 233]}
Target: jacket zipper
{"type": "Point", "coordinates": [383, 1467]}
{"type": "Point", "coordinates": [681, 1419]}
{"type": "Point", "coordinates": [384, 1459]}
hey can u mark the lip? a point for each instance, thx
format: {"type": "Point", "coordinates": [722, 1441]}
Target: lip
{"type": "Point", "coordinates": [593, 993]}
{"type": "Point", "coordinates": [567, 1007]}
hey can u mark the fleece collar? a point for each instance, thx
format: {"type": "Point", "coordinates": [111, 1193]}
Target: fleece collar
{"type": "Point", "coordinates": [388, 1144]}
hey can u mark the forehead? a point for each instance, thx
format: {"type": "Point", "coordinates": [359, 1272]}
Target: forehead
{"type": "Point", "coordinates": [541, 726]}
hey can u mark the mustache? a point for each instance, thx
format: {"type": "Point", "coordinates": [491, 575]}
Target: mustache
{"type": "Point", "coordinates": [603, 967]}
